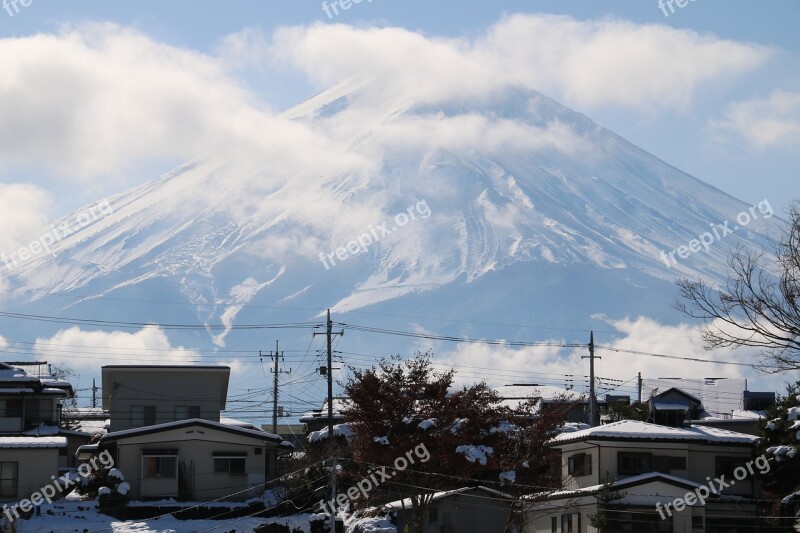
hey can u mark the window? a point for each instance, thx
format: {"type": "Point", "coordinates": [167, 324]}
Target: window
{"type": "Point", "coordinates": [183, 412]}
{"type": "Point", "coordinates": [724, 466]}
{"type": "Point", "coordinates": [579, 464]}
{"type": "Point", "coordinates": [230, 463]}
{"type": "Point", "coordinates": [697, 524]}
{"type": "Point", "coordinates": [633, 522]}
{"type": "Point", "coordinates": [258, 451]}
{"type": "Point", "coordinates": [10, 408]}
{"type": "Point", "coordinates": [8, 479]}
{"type": "Point", "coordinates": [160, 466]}
{"type": "Point", "coordinates": [666, 464]}
{"type": "Point", "coordinates": [554, 525]}
{"type": "Point", "coordinates": [433, 515]}
{"type": "Point", "coordinates": [631, 464]}
{"type": "Point", "coordinates": [143, 415]}
{"type": "Point", "coordinates": [570, 523]}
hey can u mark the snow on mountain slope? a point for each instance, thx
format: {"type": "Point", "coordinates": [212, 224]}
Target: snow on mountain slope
{"type": "Point", "coordinates": [507, 180]}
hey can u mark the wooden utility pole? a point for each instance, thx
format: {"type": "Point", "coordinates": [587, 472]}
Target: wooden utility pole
{"type": "Point", "coordinates": [277, 372]}
{"type": "Point", "coordinates": [640, 387]}
{"type": "Point", "coordinates": [331, 447]}
{"type": "Point", "coordinates": [592, 395]}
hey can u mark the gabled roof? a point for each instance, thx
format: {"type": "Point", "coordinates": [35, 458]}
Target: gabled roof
{"type": "Point", "coordinates": [169, 426]}
{"type": "Point", "coordinates": [626, 483]}
{"type": "Point", "coordinates": [406, 503]}
{"type": "Point", "coordinates": [642, 431]}
{"type": "Point", "coordinates": [678, 391]}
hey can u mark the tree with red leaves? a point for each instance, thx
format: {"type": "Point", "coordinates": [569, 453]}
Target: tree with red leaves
{"type": "Point", "coordinates": [401, 409]}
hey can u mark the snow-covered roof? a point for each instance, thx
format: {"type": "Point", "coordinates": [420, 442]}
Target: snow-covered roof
{"type": "Point", "coordinates": [632, 429]}
{"type": "Point", "coordinates": [237, 423]}
{"type": "Point", "coordinates": [257, 433]}
{"type": "Point", "coordinates": [406, 503]}
{"type": "Point", "coordinates": [33, 442]}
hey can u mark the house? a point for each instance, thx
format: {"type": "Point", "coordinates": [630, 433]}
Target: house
{"type": "Point", "coordinates": [28, 401]}
{"type": "Point", "coordinates": [33, 446]}
{"type": "Point", "coordinates": [293, 433]}
{"type": "Point", "coordinates": [316, 419]}
{"type": "Point", "coordinates": [673, 407]}
{"type": "Point", "coordinates": [145, 395]}
{"type": "Point", "coordinates": [464, 510]}
{"type": "Point", "coordinates": [566, 404]}
{"type": "Point", "coordinates": [648, 465]}
{"type": "Point", "coordinates": [167, 435]}
{"type": "Point", "coordinates": [27, 464]}
{"type": "Point", "coordinates": [194, 459]}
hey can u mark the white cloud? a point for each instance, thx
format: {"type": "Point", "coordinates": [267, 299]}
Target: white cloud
{"type": "Point", "coordinates": [547, 365]}
{"type": "Point", "coordinates": [79, 349]}
{"type": "Point", "coordinates": [23, 216]}
{"type": "Point", "coordinates": [772, 122]}
{"type": "Point", "coordinates": [591, 64]}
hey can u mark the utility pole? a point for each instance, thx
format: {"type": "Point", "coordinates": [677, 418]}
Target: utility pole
{"type": "Point", "coordinates": [592, 396]}
{"type": "Point", "coordinates": [639, 381]}
{"type": "Point", "coordinates": [331, 448]}
{"type": "Point", "coordinates": [94, 394]}
{"type": "Point", "coordinates": [277, 372]}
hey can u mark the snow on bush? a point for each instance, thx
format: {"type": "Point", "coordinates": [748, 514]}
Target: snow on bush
{"type": "Point", "coordinates": [339, 430]}
{"type": "Point", "coordinates": [508, 477]}
{"type": "Point", "coordinates": [104, 491]}
{"type": "Point", "coordinates": [123, 488]}
{"type": "Point", "coordinates": [427, 424]}
{"type": "Point", "coordinates": [457, 425]}
{"type": "Point", "coordinates": [474, 453]}
{"type": "Point", "coordinates": [505, 427]}
{"type": "Point", "coordinates": [381, 440]}
{"type": "Point", "coordinates": [116, 474]}
{"type": "Point", "coordinates": [793, 413]}
{"type": "Point", "coordinates": [782, 452]}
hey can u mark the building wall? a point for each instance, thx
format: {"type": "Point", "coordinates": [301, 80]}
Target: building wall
{"type": "Point", "coordinates": [196, 451]}
{"type": "Point", "coordinates": [164, 389]}
{"type": "Point", "coordinates": [36, 465]}
{"type": "Point", "coordinates": [472, 512]}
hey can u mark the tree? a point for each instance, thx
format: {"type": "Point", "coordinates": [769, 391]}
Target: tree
{"type": "Point", "coordinates": [780, 443]}
{"type": "Point", "coordinates": [755, 308]}
{"type": "Point", "coordinates": [468, 436]}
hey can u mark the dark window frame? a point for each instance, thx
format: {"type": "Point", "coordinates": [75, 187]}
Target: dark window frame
{"type": "Point", "coordinates": [579, 464]}
{"type": "Point", "coordinates": [623, 468]}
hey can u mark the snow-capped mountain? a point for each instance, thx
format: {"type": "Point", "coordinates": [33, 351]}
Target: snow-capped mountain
{"type": "Point", "coordinates": [470, 208]}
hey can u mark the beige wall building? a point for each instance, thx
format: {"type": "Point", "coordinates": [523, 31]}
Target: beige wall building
{"type": "Point", "coordinates": [27, 464]}
{"type": "Point", "coordinates": [139, 396]}
{"type": "Point", "coordinates": [195, 460]}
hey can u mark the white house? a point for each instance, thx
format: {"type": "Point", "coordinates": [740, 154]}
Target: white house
{"type": "Point", "coordinates": [648, 467]}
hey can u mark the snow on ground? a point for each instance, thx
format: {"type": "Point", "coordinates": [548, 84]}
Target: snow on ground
{"type": "Point", "coordinates": [80, 516]}
{"type": "Point", "coordinates": [369, 525]}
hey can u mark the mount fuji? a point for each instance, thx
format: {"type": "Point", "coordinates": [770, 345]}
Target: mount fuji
{"type": "Point", "coordinates": [515, 210]}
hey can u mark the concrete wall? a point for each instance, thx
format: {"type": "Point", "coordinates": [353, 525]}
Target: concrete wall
{"type": "Point", "coordinates": [472, 512]}
{"type": "Point", "coordinates": [196, 447]}
{"type": "Point", "coordinates": [36, 465]}
{"type": "Point", "coordinates": [164, 389]}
